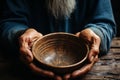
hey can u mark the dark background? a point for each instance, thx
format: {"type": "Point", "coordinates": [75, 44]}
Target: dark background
{"type": "Point", "coordinates": [116, 11]}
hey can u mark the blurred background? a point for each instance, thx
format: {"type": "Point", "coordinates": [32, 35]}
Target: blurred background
{"type": "Point", "coordinates": [116, 11]}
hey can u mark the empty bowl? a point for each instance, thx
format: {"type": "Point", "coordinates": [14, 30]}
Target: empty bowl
{"type": "Point", "coordinates": [60, 52]}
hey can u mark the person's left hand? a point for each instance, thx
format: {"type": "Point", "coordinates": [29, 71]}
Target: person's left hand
{"type": "Point", "coordinates": [93, 41]}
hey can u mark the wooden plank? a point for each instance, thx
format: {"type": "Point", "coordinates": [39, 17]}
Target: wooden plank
{"type": "Point", "coordinates": [115, 50]}
{"type": "Point", "coordinates": [115, 42]}
{"type": "Point", "coordinates": [101, 77]}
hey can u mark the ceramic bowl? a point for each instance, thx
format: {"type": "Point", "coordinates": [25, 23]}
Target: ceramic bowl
{"type": "Point", "coordinates": [60, 52]}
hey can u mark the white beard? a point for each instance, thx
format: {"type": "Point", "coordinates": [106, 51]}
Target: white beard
{"type": "Point", "coordinates": [61, 8]}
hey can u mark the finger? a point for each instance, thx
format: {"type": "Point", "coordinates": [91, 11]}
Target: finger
{"type": "Point", "coordinates": [92, 55]}
{"type": "Point", "coordinates": [77, 34]}
{"type": "Point", "coordinates": [40, 71]}
{"type": "Point", "coordinates": [25, 49]}
{"type": "Point", "coordinates": [96, 58]}
{"type": "Point", "coordinates": [67, 77]}
{"type": "Point", "coordinates": [83, 70]}
{"type": "Point", "coordinates": [94, 48]}
{"type": "Point", "coordinates": [57, 78]}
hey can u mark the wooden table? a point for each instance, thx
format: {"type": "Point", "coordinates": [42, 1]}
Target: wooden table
{"type": "Point", "coordinates": [107, 68]}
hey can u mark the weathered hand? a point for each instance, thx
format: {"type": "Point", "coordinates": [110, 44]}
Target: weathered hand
{"type": "Point", "coordinates": [26, 41]}
{"type": "Point", "coordinates": [93, 41]}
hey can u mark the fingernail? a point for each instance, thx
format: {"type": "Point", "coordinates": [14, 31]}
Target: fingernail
{"type": "Point", "coordinates": [96, 56]}
{"type": "Point", "coordinates": [91, 59]}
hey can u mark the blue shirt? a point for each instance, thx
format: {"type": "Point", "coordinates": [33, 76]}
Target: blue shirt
{"type": "Point", "coordinates": [18, 15]}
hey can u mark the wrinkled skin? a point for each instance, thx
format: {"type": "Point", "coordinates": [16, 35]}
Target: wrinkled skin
{"type": "Point", "coordinates": [27, 39]}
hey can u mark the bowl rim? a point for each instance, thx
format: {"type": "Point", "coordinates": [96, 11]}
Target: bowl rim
{"type": "Point", "coordinates": [68, 66]}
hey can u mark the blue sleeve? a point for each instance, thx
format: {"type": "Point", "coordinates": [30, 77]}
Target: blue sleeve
{"type": "Point", "coordinates": [13, 20]}
{"type": "Point", "coordinates": [102, 23]}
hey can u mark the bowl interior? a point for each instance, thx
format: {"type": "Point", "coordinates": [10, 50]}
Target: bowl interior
{"type": "Point", "coordinates": [60, 50]}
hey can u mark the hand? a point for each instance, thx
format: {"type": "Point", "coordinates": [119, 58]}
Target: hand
{"type": "Point", "coordinates": [93, 41]}
{"type": "Point", "coordinates": [26, 41]}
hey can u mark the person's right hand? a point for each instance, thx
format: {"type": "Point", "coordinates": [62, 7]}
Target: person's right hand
{"type": "Point", "coordinates": [26, 41]}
